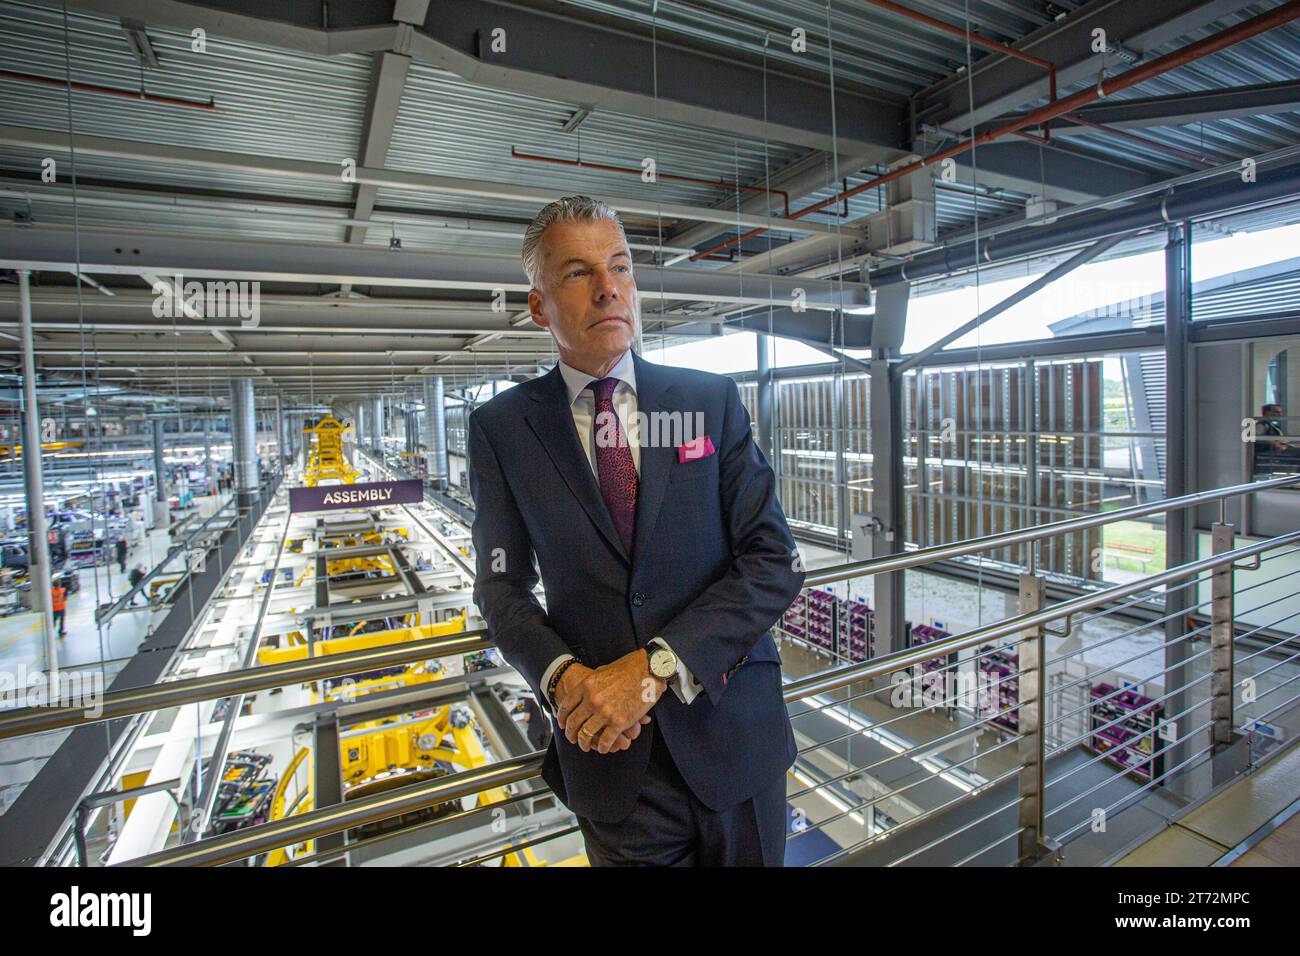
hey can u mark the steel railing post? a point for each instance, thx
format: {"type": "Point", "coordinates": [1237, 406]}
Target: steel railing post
{"type": "Point", "coordinates": [1222, 679]}
{"type": "Point", "coordinates": [1034, 847]}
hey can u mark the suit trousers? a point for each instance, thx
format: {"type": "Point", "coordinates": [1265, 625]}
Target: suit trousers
{"type": "Point", "coordinates": [668, 826]}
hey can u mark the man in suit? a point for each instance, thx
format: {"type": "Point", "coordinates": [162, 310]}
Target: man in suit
{"type": "Point", "coordinates": [665, 559]}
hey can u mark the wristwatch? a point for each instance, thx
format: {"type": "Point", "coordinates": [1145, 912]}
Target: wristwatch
{"type": "Point", "coordinates": [663, 662]}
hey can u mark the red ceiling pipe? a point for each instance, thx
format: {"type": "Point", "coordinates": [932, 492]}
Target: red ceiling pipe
{"type": "Point", "coordinates": [785, 197]}
{"type": "Point", "coordinates": [110, 90]}
{"type": "Point", "coordinates": [1276, 17]}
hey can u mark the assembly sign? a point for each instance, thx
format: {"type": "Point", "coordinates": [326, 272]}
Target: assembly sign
{"type": "Point", "coordinates": [369, 495]}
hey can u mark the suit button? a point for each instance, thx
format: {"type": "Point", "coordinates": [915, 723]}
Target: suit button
{"type": "Point", "coordinates": [638, 598]}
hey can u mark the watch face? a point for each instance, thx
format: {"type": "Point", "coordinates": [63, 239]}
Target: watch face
{"type": "Point", "coordinates": [662, 663]}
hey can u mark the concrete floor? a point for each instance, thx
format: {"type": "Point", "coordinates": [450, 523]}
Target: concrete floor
{"type": "Point", "coordinates": [88, 655]}
{"type": "Point", "coordinates": [1211, 831]}
{"type": "Point", "coordinates": [22, 642]}
{"type": "Point", "coordinates": [1280, 848]}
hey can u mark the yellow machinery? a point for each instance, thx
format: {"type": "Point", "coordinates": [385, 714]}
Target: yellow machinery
{"type": "Point", "coordinates": [391, 752]}
{"type": "Point", "coordinates": [526, 857]}
{"type": "Point", "coordinates": [422, 673]}
{"type": "Point", "coordinates": [380, 563]}
{"type": "Point", "coordinates": [341, 645]}
{"type": "Point", "coordinates": [386, 754]}
{"type": "Point", "coordinates": [326, 460]}
{"type": "Point", "coordinates": [10, 453]}
{"type": "Point", "coordinates": [282, 806]}
{"type": "Point", "coordinates": [375, 562]}
{"type": "Point", "coordinates": [396, 745]}
{"type": "Point", "coordinates": [353, 539]}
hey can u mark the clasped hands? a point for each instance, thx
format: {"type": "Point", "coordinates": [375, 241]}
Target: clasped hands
{"type": "Point", "coordinates": [604, 708]}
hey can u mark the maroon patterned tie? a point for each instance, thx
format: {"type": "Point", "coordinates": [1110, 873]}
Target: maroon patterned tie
{"type": "Point", "coordinates": [614, 465]}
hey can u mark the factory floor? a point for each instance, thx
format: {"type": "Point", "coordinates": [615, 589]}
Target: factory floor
{"type": "Point", "coordinates": [22, 641]}
{"type": "Point", "coordinates": [1252, 823]}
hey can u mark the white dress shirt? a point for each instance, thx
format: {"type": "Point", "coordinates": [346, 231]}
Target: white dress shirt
{"type": "Point", "coordinates": [582, 402]}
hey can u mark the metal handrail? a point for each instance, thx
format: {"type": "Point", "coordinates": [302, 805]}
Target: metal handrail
{"type": "Point", "coordinates": [264, 837]}
{"type": "Point", "coordinates": [942, 552]}
{"type": "Point", "coordinates": [109, 611]}
{"type": "Point", "coordinates": [193, 690]}
{"type": "Point", "coordinates": [334, 819]}
{"type": "Point", "coordinates": [214, 687]}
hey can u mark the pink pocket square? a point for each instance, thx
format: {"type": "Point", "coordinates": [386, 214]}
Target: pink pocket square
{"type": "Point", "coordinates": [701, 447]}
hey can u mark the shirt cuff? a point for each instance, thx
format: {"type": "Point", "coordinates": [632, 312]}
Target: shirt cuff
{"type": "Point", "coordinates": [546, 679]}
{"type": "Point", "coordinates": [686, 687]}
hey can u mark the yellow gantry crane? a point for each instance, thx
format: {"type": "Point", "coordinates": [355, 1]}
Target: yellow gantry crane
{"type": "Point", "coordinates": [326, 460]}
{"type": "Point", "coordinates": [15, 452]}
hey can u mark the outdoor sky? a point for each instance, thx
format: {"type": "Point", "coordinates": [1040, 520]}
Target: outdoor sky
{"type": "Point", "coordinates": [1091, 286]}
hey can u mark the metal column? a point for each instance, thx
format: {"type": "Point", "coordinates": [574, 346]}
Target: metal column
{"type": "Point", "coordinates": [409, 438]}
{"type": "Point", "coordinates": [887, 501]}
{"type": "Point", "coordinates": [161, 512]}
{"type": "Point", "coordinates": [208, 469]}
{"type": "Point", "coordinates": [38, 546]}
{"type": "Point", "coordinates": [1033, 844]}
{"type": "Point", "coordinates": [1179, 547]}
{"type": "Point", "coordinates": [159, 460]}
{"type": "Point", "coordinates": [280, 434]}
{"type": "Point", "coordinates": [1229, 760]}
{"type": "Point", "coordinates": [763, 395]}
{"type": "Point", "coordinates": [243, 440]}
{"type": "Point", "coordinates": [839, 438]}
{"type": "Point", "coordinates": [437, 468]}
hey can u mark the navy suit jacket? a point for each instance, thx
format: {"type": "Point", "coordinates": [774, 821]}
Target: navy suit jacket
{"type": "Point", "coordinates": [713, 568]}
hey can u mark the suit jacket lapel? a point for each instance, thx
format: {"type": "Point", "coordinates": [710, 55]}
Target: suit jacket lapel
{"type": "Point", "coordinates": [552, 421]}
{"type": "Point", "coordinates": [652, 388]}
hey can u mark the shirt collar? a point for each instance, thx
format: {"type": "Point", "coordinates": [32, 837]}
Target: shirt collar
{"type": "Point", "coordinates": [575, 380]}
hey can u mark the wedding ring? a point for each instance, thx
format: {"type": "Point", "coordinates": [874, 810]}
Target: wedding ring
{"type": "Point", "coordinates": [584, 732]}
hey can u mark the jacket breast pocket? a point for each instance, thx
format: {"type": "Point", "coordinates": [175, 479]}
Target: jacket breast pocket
{"type": "Point", "coordinates": [695, 470]}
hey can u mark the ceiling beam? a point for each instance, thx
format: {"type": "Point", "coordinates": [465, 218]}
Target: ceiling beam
{"type": "Point", "coordinates": [1055, 172]}
{"type": "Point", "coordinates": [577, 57]}
{"type": "Point", "coordinates": [387, 81]}
{"type": "Point", "coordinates": [1000, 84]}
{"type": "Point", "coordinates": [331, 171]}
{"type": "Point", "coordinates": [1184, 109]}
{"type": "Point", "coordinates": [806, 175]}
{"type": "Point", "coordinates": [127, 253]}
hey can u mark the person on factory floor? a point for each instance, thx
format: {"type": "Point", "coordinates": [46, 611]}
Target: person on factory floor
{"type": "Point", "coordinates": [665, 558]}
{"type": "Point", "coordinates": [59, 607]}
{"type": "Point", "coordinates": [136, 576]}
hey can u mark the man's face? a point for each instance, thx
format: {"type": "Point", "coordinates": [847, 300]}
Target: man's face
{"type": "Point", "coordinates": [588, 296]}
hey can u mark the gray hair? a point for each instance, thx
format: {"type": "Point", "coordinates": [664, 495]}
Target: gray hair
{"type": "Point", "coordinates": [568, 209]}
